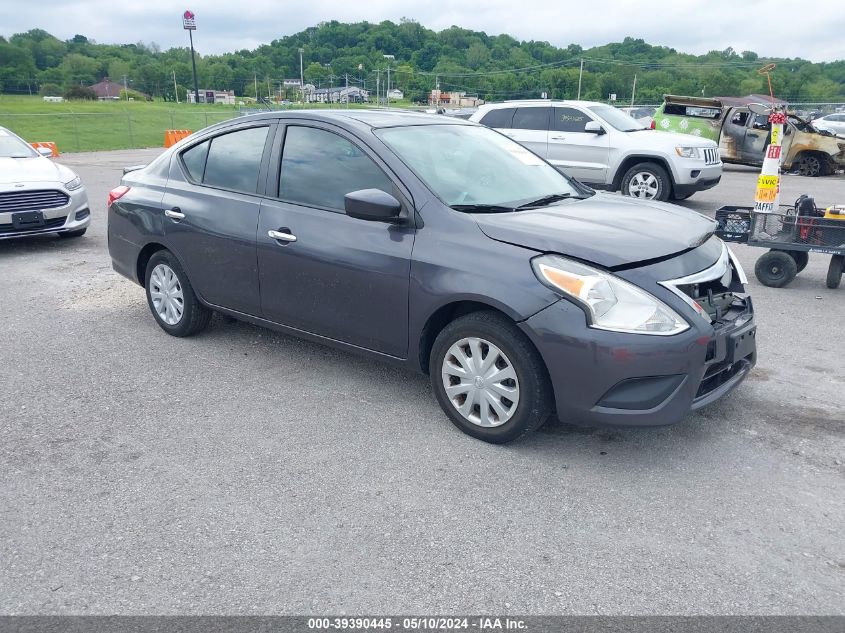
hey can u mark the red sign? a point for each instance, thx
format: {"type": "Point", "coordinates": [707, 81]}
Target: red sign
{"type": "Point", "coordinates": [189, 21]}
{"type": "Point", "coordinates": [774, 151]}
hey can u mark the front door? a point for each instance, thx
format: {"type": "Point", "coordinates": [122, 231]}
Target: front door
{"type": "Point", "coordinates": [579, 154]}
{"type": "Point", "coordinates": [334, 275]}
{"type": "Point", "coordinates": [211, 212]}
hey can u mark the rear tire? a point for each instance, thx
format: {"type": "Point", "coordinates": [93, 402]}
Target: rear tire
{"type": "Point", "coordinates": [498, 346]}
{"type": "Point", "coordinates": [801, 259]}
{"type": "Point", "coordinates": [77, 233]}
{"type": "Point", "coordinates": [775, 269]}
{"type": "Point", "coordinates": [647, 181]}
{"type": "Point", "coordinates": [834, 271]}
{"type": "Point", "coordinates": [171, 297]}
{"type": "Point", "coordinates": [811, 164]}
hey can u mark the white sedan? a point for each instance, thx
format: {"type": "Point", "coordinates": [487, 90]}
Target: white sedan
{"type": "Point", "coordinates": [38, 195]}
{"type": "Point", "coordinates": [834, 123]}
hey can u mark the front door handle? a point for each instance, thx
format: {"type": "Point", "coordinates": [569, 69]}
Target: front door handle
{"type": "Point", "coordinates": [558, 138]}
{"type": "Point", "coordinates": [282, 236]}
{"type": "Point", "coordinates": [175, 213]}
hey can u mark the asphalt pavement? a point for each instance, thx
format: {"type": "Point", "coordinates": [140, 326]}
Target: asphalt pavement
{"type": "Point", "coordinates": [244, 471]}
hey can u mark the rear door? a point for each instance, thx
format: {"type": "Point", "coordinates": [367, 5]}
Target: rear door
{"type": "Point", "coordinates": [211, 213]}
{"type": "Point", "coordinates": [501, 120]}
{"type": "Point", "coordinates": [530, 127]}
{"type": "Point", "coordinates": [579, 154]}
{"type": "Point", "coordinates": [333, 275]}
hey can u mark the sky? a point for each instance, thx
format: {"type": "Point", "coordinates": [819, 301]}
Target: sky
{"type": "Point", "coordinates": [775, 28]}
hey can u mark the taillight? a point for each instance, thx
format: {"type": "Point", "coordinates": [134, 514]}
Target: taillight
{"type": "Point", "coordinates": [116, 194]}
{"type": "Point", "coordinates": [653, 125]}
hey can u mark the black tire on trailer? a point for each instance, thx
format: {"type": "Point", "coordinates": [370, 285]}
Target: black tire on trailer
{"type": "Point", "coordinates": [801, 259]}
{"type": "Point", "coordinates": [775, 269]}
{"type": "Point", "coordinates": [834, 271]}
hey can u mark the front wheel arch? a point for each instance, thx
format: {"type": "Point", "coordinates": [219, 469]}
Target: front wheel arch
{"type": "Point", "coordinates": [630, 161]}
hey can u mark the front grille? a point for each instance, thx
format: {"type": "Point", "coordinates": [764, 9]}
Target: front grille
{"type": "Point", "coordinates": [54, 223]}
{"type": "Point", "coordinates": [711, 156]}
{"type": "Point", "coordinates": [718, 374]}
{"type": "Point", "coordinates": [33, 200]}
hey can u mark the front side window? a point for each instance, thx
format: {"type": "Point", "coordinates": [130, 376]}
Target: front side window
{"type": "Point", "coordinates": [740, 118]}
{"type": "Point", "coordinates": [531, 119]}
{"type": "Point", "coordinates": [234, 160]}
{"type": "Point", "coordinates": [570, 120]}
{"type": "Point", "coordinates": [500, 118]}
{"type": "Point", "coordinates": [319, 168]}
{"type": "Point", "coordinates": [474, 165]}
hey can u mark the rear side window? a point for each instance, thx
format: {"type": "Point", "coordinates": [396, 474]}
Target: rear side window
{"type": "Point", "coordinates": [570, 120]}
{"type": "Point", "coordinates": [194, 160]}
{"type": "Point", "coordinates": [234, 160]}
{"type": "Point", "coordinates": [501, 118]}
{"type": "Point", "coordinates": [319, 168]}
{"type": "Point", "coordinates": [531, 119]}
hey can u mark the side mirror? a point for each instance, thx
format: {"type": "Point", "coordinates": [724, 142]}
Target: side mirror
{"type": "Point", "coordinates": [44, 151]}
{"type": "Point", "coordinates": [372, 204]}
{"type": "Point", "coordinates": [594, 127]}
{"type": "Point", "coordinates": [759, 108]}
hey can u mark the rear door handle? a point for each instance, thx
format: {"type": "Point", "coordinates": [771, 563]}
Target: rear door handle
{"type": "Point", "coordinates": [282, 236]}
{"type": "Point", "coordinates": [558, 138]}
{"type": "Point", "coordinates": [174, 213]}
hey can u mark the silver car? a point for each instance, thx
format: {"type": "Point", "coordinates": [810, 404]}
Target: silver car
{"type": "Point", "coordinates": [38, 195]}
{"type": "Point", "coordinates": [832, 123]}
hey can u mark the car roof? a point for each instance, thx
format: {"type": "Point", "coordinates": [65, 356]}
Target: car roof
{"type": "Point", "coordinates": [364, 118]}
{"type": "Point", "coordinates": [520, 103]}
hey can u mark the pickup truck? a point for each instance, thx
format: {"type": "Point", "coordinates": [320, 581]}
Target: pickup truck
{"type": "Point", "coordinates": [742, 135]}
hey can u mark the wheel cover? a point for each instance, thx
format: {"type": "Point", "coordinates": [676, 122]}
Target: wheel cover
{"type": "Point", "coordinates": [810, 166]}
{"type": "Point", "coordinates": [166, 294]}
{"type": "Point", "coordinates": [643, 185]}
{"type": "Point", "coordinates": [480, 382]}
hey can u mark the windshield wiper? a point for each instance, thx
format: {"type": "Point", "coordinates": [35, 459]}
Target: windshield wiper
{"type": "Point", "coordinates": [482, 208]}
{"type": "Point", "coordinates": [547, 200]}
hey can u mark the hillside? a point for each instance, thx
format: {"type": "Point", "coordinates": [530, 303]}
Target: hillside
{"type": "Point", "coordinates": [493, 66]}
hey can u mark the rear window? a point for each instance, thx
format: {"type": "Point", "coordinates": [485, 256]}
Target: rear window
{"type": "Point", "coordinates": [194, 161]}
{"type": "Point", "coordinates": [699, 112]}
{"type": "Point", "coordinates": [499, 118]}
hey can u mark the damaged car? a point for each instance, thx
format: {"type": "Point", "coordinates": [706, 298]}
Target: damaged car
{"type": "Point", "coordinates": [742, 134]}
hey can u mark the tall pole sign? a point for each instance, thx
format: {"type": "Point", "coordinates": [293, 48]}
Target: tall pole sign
{"type": "Point", "coordinates": [189, 23]}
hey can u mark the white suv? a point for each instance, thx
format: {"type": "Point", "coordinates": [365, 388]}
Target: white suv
{"type": "Point", "coordinates": [604, 147]}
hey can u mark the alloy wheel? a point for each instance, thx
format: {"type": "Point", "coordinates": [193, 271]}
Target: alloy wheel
{"type": "Point", "coordinates": [643, 185]}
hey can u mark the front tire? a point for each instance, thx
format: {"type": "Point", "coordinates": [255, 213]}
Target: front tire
{"type": "Point", "coordinates": [775, 269]}
{"type": "Point", "coordinates": [171, 297]}
{"type": "Point", "coordinates": [647, 181]}
{"type": "Point", "coordinates": [489, 379]}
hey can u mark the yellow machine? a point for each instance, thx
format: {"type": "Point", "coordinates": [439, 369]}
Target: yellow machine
{"type": "Point", "coordinates": [836, 212]}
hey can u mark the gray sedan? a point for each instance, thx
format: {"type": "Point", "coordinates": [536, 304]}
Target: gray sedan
{"type": "Point", "coordinates": [442, 246]}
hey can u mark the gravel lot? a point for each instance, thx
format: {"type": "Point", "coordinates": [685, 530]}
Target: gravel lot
{"type": "Point", "coordinates": [243, 471]}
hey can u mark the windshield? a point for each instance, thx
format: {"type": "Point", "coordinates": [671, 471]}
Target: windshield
{"type": "Point", "coordinates": [618, 119]}
{"type": "Point", "coordinates": [12, 147]}
{"type": "Point", "coordinates": [473, 165]}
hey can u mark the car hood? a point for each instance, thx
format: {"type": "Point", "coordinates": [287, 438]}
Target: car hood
{"type": "Point", "coordinates": [674, 139]}
{"type": "Point", "coordinates": [606, 229]}
{"type": "Point", "coordinates": [35, 169]}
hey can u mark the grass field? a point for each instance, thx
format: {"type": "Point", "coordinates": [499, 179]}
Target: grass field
{"type": "Point", "coordinates": [82, 126]}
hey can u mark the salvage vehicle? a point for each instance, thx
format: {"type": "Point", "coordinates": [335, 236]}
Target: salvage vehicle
{"type": "Point", "coordinates": [743, 135]}
{"type": "Point", "coordinates": [604, 147]}
{"type": "Point", "coordinates": [38, 195]}
{"type": "Point", "coordinates": [443, 247]}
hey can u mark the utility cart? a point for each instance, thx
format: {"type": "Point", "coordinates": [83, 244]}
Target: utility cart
{"type": "Point", "coordinates": [790, 234]}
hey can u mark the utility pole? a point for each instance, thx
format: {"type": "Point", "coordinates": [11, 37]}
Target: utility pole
{"type": "Point", "coordinates": [175, 88]}
{"type": "Point", "coordinates": [269, 96]}
{"type": "Point", "coordinates": [378, 87]}
{"type": "Point", "coordinates": [634, 90]}
{"type": "Point", "coordinates": [301, 76]}
{"type": "Point", "coordinates": [347, 90]}
{"type": "Point", "coordinates": [580, 74]}
{"type": "Point", "coordinates": [387, 93]}
{"type": "Point", "coordinates": [125, 89]}
{"type": "Point", "coordinates": [255, 79]}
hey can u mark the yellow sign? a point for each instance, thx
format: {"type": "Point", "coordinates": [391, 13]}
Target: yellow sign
{"type": "Point", "coordinates": [765, 195]}
{"type": "Point", "coordinates": [775, 134]}
{"type": "Point", "coordinates": [767, 182]}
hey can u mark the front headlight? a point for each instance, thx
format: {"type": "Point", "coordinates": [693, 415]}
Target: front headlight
{"type": "Point", "coordinates": [688, 152]}
{"type": "Point", "coordinates": [76, 183]}
{"type": "Point", "coordinates": [610, 302]}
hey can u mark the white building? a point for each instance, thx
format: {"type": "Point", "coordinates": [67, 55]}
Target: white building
{"type": "Point", "coordinates": [395, 93]}
{"type": "Point", "coordinates": [226, 97]}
